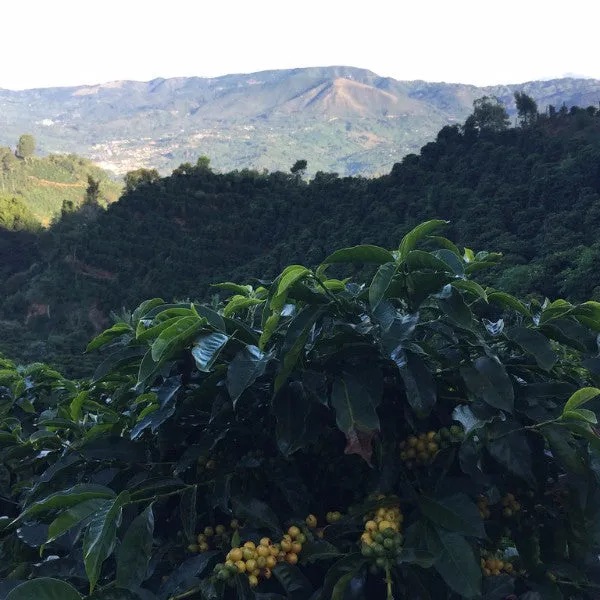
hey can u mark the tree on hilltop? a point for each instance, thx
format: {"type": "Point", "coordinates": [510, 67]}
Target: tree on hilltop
{"type": "Point", "coordinates": [527, 109]}
{"type": "Point", "coordinates": [489, 114]}
{"type": "Point", "coordinates": [26, 146]}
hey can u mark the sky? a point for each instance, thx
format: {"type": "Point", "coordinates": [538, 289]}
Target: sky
{"type": "Point", "coordinates": [75, 42]}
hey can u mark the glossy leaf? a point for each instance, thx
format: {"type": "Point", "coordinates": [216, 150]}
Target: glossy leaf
{"type": "Point", "coordinates": [75, 515]}
{"type": "Point", "coordinates": [44, 588]}
{"type": "Point", "coordinates": [246, 367]}
{"type": "Point", "coordinates": [536, 344]}
{"type": "Point", "coordinates": [116, 331]}
{"type": "Point", "coordinates": [360, 254]}
{"type": "Point", "coordinates": [134, 552]}
{"type": "Point", "coordinates": [380, 283]}
{"type": "Point", "coordinates": [580, 397]}
{"type": "Point", "coordinates": [100, 537]}
{"type": "Point", "coordinates": [291, 409]}
{"type": "Point", "coordinates": [455, 513]}
{"type": "Point", "coordinates": [419, 384]}
{"type": "Point", "coordinates": [207, 348]}
{"type": "Point", "coordinates": [487, 380]}
{"type": "Point", "coordinates": [455, 562]}
{"type": "Point", "coordinates": [410, 240]}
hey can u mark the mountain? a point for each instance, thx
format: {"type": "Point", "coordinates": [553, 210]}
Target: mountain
{"type": "Point", "coordinates": [531, 192]}
{"type": "Point", "coordinates": [340, 119]}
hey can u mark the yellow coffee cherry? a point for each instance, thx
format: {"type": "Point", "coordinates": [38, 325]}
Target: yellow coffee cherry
{"type": "Point", "coordinates": [296, 548]}
{"type": "Point", "coordinates": [236, 554]}
{"type": "Point", "coordinates": [263, 551]}
{"type": "Point", "coordinates": [209, 531]}
{"type": "Point", "coordinates": [294, 532]}
{"type": "Point", "coordinates": [271, 561]}
{"type": "Point", "coordinates": [291, 558]}
{"type": "Point", "coordinates": [311, 521]}
{"type": "Point", "coordinates": [241, 566]}
{"type": "Point", "coordinates": [253, 580]}
{"type": "Point", "coordinates": [193, 548]}
{"type": "Point", "coordinates": [250, 564]}
{"type": "Point", "coordinates": [234, 524]}
{"type": "Point", "coordinates": [250, 545]}
{"type": "Point", "coordinates": [219, 529]}
{"type": "Point", "coordinates": [371, 526]}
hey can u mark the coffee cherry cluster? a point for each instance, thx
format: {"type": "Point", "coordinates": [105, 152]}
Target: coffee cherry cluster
{"type": "Point", "coordinates": [510, 506]}
{"type": "Point", "coordinates": [258, 560]}
{"type": "Point", "coordinates": [382, 539]}
{"type": "Point", "coordinates": [495, 566]}
{"type": "Point", "coordinates": [214, 537]}
{"type": "Point", "coordinates": [333, 516]}
{"type": "Point", "coordinates": [483, 506]}
{"type": "Point", "coordinates": [421, 450]}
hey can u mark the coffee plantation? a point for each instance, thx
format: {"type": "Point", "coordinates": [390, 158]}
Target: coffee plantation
{"type": "Point", "coordinates": [379, 427]}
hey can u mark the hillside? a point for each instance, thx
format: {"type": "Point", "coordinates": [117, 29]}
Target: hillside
{"type": "Point", "coordinates": [340, 119]}
{"type": "Point", "coordinates": [532, 193]}
{"type": "Point", "coordinates": [42, 184]}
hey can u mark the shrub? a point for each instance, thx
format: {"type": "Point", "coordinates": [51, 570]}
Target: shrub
{"type": "Point", "coordinates": [313, 437]}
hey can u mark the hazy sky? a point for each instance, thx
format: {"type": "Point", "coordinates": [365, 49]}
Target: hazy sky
{"type": "Point", "coordinates": [72, 42]}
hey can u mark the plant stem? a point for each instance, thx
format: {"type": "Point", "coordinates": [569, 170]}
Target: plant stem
{"type": "Point", "coordinates": [185, 594]}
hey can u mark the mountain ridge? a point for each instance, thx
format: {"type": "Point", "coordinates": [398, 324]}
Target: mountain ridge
{"type": "Point", "coordinates": [264, 120]}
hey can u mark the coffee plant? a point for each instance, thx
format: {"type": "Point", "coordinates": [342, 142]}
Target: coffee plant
{"type": "Point", "coordinates": [314, 438]}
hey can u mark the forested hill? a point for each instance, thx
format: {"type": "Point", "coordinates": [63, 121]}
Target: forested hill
{"type": "Point", "coordinates": [33, 188]}
{"type": "Point", "coordinates": [339, 118]}
{"type": "Point", "coordinates": [531, 192]}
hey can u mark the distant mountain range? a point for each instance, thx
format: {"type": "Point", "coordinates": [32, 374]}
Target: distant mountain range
{"type": "Point", "coordinates": [341, 119]}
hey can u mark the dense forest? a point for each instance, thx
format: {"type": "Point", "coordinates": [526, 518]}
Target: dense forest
{"type": "Point", "coordinates": [530, 192]}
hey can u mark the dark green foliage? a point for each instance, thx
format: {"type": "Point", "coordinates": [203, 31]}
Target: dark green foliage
{"type": "Point", "coordinates": [26, 146]}
{"type": "Point", "coordinates": [199, 414]}
{"type": "Point", "coordinates": [530, 192]}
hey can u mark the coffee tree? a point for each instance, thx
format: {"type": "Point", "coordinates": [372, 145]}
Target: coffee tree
{"type": "Point", "coordinates": [315, 437]}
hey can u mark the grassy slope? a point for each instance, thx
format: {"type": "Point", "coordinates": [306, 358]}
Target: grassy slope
{"type": "Point", "coordinates": [43, 183]}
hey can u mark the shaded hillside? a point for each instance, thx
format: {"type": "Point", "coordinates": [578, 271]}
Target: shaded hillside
{"type": "Point", "coordinates": [341, 119]}
{"type": "Point", "coordinates": [42, 184]}
{"type": "Point", "coordinates": [532, 193]}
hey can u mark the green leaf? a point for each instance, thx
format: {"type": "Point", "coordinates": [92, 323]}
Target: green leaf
{"type": "Point", "coordinates": [100, 537]}
{"type": "Point", "coordinates": [134, 552]}
{"type": "Point", "coordinates": [238, 303]}
{"type": "Point", "coordinates": [510, 448]}
{"type": "Point", "coordinates": [188, 512]}
{"type": "Point", "coordinates": [207, 348]}
{"type": "Point", "coordinates": [291, 409]}
{"type": "Point", "coordinates": [44, 588]}
{"type": "Point", "coordinates": [536, 344]}
{"type": "Point", "coordinates": [246, 367]}
{"type": "Point", "coordinates": [410, 240]}
{"type": "Point", "coordinates": [507, 301]}
{"type": "Point", "coordinates": [445, 243]}
{"type": "Point", "coordinates": [455, 562]}
{"type": "Point", "coordinates": [65, 499]}
{"type": "Point", "coordinates": [289, 276]}
{"type": "Point", "coordinates": [143, 334]}
{"type": "Point", "coordinates": [77, 404]}
{"type": "Point", "coordinates": [498, 587]}
{"type": "Point", "coordinates": [456, 513]}
{"type": "Point", "coordinates": [381, 282]}
{"type": "Point", "coordinates": [418, 260]}
{"type": "Point", "coordinates": [354, 407]}
{"type": "Point", "coordinates": [565, 449]}
{"type": "Point", "coordinates": [184, 576]}
{"type": "Point", "coordinates": [456, 309]}
{"type": "Point", "coordinates": [145, 307]}
{"type": "Point", "coordinates": [74, 516]}
{"type": "Point", "coordinates": [581, 397]}
{"type": "Point", "coordinates": [581, 414]}
{"type": "Point", "coordinates": [213, 318]}
{"type": "Point", "coordinates": [360, 254]}
{"type": "Point", "coordinates": [555, 310]}
{"type": "Point", "coordinates": [116, 331]}
{"type": "Point", "coordinates": [487, 379]}
{"type": "Point", "coordinates": [257, 513]}
{"type": "Point", "coordinates": [340, 588]}
{"type": "Point", "coordinates": [418, 381]}
{"type": "Point", "coordinates": [176, 335]}
{"type": "Point", "coordinates": [293, 581]}
{"type": "Point", "coordinates": [242, 290]}
{"type": "Point", "coordinates": [472, 287]}
{"type": "Point", "coordinates": [118, 359]}
{"type": "Point", "coordinates": [295, 339]}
